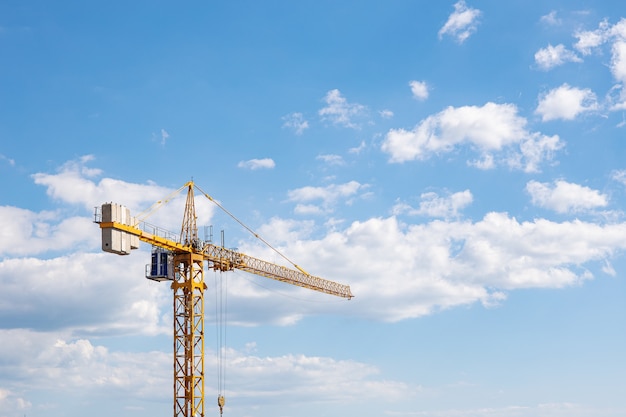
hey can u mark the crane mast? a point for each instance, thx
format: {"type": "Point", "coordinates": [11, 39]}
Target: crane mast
{"type": "Point", "coordinates": [181, 261]}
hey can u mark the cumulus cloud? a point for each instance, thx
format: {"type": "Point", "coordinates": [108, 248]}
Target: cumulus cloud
{"type": "Point", "coordinates": [340, 112]}
{"type": "Point", "coordinates": [566, 102]}
{"type": "Point", "coordinates": [432, 205]}
{"type": "Point", "coordinates": [326, 196]}
{"type": "Point", "coordinates": [331, 159]}
{"type": "Point", "coordinates": [254, 164]}
{"type": "Point", "coordinates": [615, 35]}
{"type": "Point", "coordinates": [72, 183]}
{"type": "Point", "coordinates": [84, 292]}
{"type": "Point", "coordinates": [287, 230]}
{"type": "Point", "coordinates": [618, 61]}
{"type": "Point", "coordinates": [490, 129]}
{"type": "Point", "coordinates": [75, 183]}
{"type": "Point", "coordinates": [386, 114]}
{"type": "Point", "coordinates": [588, 40]}
{"type": "Point", "coordinates": [619, 176]}
{"type": "Point", "coordinates": [358, 149]}
{"type": "Point", "coordinates": [24, 232]}
{"type": "Point", "coordinates": [462, 23]}
{"type": "Point", "coordinates": [553, 56]}
{"type": "Point", "coordinates": [565, 197]}
{"type": "Point", "coordinates": [427, 267]}
{"type": "Point", "coordinates": [52, 339]}
{"type": "Point", "coordinates": [296, 122]}
{"type": "Point", "coordinates": [419, 89]}
{"type": "Point", "coordinates": [75, 368]}
{"type": "Point", "coordinates": [301, 378]}
{"type": "Point", "coordinates": [551, 19]}
{"type": "Point", "coordinates": [441, 264]}
{"type": "Point", "coordinates": [13, 403]}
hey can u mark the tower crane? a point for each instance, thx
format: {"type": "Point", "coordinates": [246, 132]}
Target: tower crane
{"type": "Point", "coordinates": [180, 260]}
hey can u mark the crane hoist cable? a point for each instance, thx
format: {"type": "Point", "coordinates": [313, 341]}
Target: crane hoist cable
{"type": "Point", "coordinates": [221, 317]}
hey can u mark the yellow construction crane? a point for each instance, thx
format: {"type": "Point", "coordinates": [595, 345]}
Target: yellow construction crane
{"type": "Point", "coordinates": [180, 260]}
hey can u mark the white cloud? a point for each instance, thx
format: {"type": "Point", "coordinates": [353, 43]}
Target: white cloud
{"type": "Point", "coordinates": [328, 196]}
{"type": "Point", "coordinates": [462, 23]}
{"type": "Point", "coordinates": [339, 111]}
{"type": "Point", "coordinates": [614, 35]}
{"type": "Point", "coordinates": [442, 264]}
{"type": "Point", "coordinates": [551, 19]}
{"type": "Point", "coordinates": [8, 160]}
{"type": "Point", "coordinates": [71, 369]}
{"type": "Point", "coordinates": [535, 150]}
{"type": "Point", "coordinates": [619, 176]}
{"type": "Point", "coordinates": [286, 230]}
{"type": "Point", "coordinates": [566, 103]}
{"type": "Point", "coordinates": [419, 89]}
{"type": "Point", "coordinates": [73, 184]}
{"type": "Point", "coordinates": [386, 114]}
{"type": "Point", "coordinates": [23, 232]}
{"type": "Point", "coordinates": [618, 31]}
{"type": "Point", "coordinates": [305, 379]}
{"type": "Point", "coordinates": [331, 159]}
{"type": "Point", "coordinates": [433, 205]}
{"type": "Point", "coordinates": [161, 137]}
{"type": "Point", "coordinates": [589, 40]}
{"type": "Point", "coordinates": [12, 403]}
{"type": "Point", "coordinates": [618, 61]}
{"type": "Point", "coordinates": [254, 164]}
{"type": "Point", "coordinates": [565, 197]}
{"type": "Point", "coordinates": [357, 150]}
{"type": "Point", "coordinates": [552, 56]}
{"type": "Point", "coordinates": [164, 136]}
{"type": "Point", "coordinates": [488, 129]}
{"type": "Point", "coordinates": [427, 267]}
{"type": "Point", "coordinates": [296, 122]}
{"type": "Point", "coordinates": [309, 210]}
{"type": "Point", "coordinates": [485, 162]}
{"type": "Point", "coordinates": [85, 292]}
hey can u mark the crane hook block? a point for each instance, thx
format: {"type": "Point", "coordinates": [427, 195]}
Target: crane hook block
{"type": "Point", "coordinates": [221, 401]}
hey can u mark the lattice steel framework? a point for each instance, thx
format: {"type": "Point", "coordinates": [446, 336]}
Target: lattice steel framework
{"type": "Point", "coordinates": [188, 290]}
{"type": "Point", "coordinates": [121, 233]}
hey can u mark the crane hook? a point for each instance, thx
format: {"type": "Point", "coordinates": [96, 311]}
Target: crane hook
{"type": "Point", "coordinates": [221, 401]}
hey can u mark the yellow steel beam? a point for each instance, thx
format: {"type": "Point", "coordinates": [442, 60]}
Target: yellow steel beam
{"type": "Point", "coordinates": [224, 259]}
{"type": "Point", "coordinates": [150, 238]}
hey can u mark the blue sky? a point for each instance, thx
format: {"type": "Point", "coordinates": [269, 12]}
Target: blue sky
{"type": "Point", "coordinates": [459, 164]}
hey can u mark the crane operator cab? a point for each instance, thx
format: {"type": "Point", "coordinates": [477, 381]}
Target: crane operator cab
{"type": "Point", "coordinates": [162, 266]}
